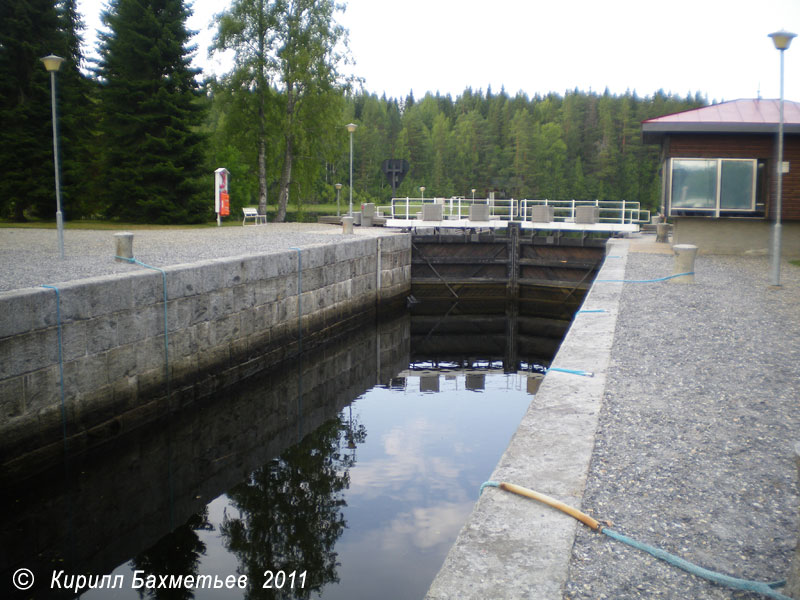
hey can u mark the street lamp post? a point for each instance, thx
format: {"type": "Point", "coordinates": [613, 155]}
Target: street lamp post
{"type": "Point", "coordinates": [351, 127]}
{"type": "Point", "coordinates": [52, 63]}
{"type": "Point", "coordinates": [782, 40]}
{"type": "Point", "coordinates": [338, 187]}
{"type": "Point", "coordinates": [422, 191]}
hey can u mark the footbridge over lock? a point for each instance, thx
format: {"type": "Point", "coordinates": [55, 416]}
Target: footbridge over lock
{"type": "Point", "coordinates": [542, 216]}
{"type": "Point", "coordinates": [542, 254]}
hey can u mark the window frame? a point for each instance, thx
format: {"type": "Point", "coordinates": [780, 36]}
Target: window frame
{"type": "Point", "coordinates": [716, 208]}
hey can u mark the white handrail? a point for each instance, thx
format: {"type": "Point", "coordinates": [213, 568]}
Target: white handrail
{"type": "Point", "coordinates": [610, 211]}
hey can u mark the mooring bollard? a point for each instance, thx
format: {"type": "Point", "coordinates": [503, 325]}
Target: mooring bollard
{"type": "Point", "coordinates": [685, 255]}
{"type": "Point", "coordinates": [123, 246]}
{"type": "Point", "coordinates": [662, 233]}
{"type": "Point", "coordinates": [793, 583]}
{"type": "Point", "coordinates": [347, 224]}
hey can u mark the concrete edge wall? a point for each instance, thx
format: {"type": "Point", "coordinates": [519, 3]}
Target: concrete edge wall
{"type": "Point", "coordinates": [512, 547]}
{"type": "Point", "coordinates": [736, 236]}
{"type": "Point", "coordinates": [227, 318]}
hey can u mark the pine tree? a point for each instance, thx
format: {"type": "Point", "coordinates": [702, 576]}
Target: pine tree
{"type": "Point", "coordinates": [150, 115]}
{"type": "Point", "coordinates": [29, 30]}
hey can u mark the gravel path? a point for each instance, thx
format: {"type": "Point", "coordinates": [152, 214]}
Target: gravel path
{"type": "Point", "coordinates": [29, 257]}
{"type": "Point", "coordinates": [694, 448]}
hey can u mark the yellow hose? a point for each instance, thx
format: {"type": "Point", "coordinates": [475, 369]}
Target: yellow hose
{"type": "Point", "coordinates": [572, 512]}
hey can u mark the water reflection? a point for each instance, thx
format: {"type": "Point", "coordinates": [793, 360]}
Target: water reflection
{"type": "Point", "coordinates": [355, 465]}
{"type": "Point", "coordinates": [287, 516]}
{"type": "Point", "coordinates": [485, 334]}
{"type": "Point", "coordinates": [177, 552]}
{"type": "Point", "coordinates": [417, 477]}
{"type": "Point", "coordinates": [109, 505]}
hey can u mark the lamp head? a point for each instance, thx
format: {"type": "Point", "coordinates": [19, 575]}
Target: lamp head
{"type": "Point", "coordinates": [351, 127]}
{"type": "Point", "coordinates": [52, 63]}
{"type": "Point", "coordinates": [782, 39]}
{"type": "Point", "coordinates": [338, 186]}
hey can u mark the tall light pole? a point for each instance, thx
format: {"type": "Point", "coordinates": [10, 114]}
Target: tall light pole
{"type": "Point", "coordinates": [782, 40]}
{"type": "Point", "coordinates": [422, 191]}
{"type": "Point", "coordinates": [351, 127]}
{"type": "Point", "coordinates": [338, 187]}
{"type": "Point", "coordinates": [52, 63]}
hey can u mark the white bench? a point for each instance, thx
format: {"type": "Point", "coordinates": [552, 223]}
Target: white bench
{"type": "Point", "coordinates": [252, 213]}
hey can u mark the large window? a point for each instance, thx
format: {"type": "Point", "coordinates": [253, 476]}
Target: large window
{"type": "Point", "coordinates": [706, 186]}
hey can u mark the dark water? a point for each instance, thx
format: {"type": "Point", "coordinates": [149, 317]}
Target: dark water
{"type": "Point", "coordinates": [346, 473]}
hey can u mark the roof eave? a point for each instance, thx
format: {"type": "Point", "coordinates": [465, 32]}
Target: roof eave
{"type": "Point", "coordinates": [652, 133]}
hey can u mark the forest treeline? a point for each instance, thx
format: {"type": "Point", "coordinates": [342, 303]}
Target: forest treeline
{"type": "Point", "coordinates": [141, 132]}
{"type": "Point", "coordinates": [581, 145]}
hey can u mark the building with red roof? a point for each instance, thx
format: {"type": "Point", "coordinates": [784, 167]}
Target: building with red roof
{"type": "Point", "coordinates": [719, 172]}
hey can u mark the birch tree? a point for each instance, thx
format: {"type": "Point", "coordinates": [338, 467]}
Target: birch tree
{"type": "Point", "coordinates": [287, 54]}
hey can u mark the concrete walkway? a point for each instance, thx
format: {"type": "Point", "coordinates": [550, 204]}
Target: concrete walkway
{"type": "Point", "coordinates": [682, 439]}
{"type": "Point", "coordinates": [29, 257]}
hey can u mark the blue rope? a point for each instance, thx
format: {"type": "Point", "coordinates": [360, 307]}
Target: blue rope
{"type": "Point", "coordinates": [758, 587]}
{"type": "Point", "coordinates": [486, 484]}
{"type": "Point", "coordinates": [166, 328]}
{"type": "Point", "coordinates": [765, 589]}
{"type": "Point", "coordinates": [594, 310]}
{"type": "Point", "coordinates": [299, 298]}
{"type": "Point", "coordinates": [571, 371]}
{"type": "Point", "coordinates": [60, 364]}
{"type": "Point", "coordinates": [644, 280]}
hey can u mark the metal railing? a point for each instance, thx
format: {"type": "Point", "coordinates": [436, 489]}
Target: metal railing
{"type": "Point", "coordinates": [457, 208]}
{"type": "Point", "coordinates": [609, 211]}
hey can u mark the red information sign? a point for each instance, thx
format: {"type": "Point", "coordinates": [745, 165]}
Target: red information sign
{"type": "Point", "coordinates": [224, 204]}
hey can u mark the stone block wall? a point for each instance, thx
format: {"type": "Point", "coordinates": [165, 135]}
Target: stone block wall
{"type": "Point", "coordinates": [227, 319]}
{"type": "Point", "coordinates": [173, 467]}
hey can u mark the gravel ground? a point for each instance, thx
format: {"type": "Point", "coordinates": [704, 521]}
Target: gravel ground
{"type": "Point", "coordinates": [693, 452]}
{"type": "Point", "coordinates": [29, 257]}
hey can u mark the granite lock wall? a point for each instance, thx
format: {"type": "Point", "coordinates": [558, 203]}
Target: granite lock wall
{"type": "Point", "coordinates": [227, 319]}
{"type": "Point", "coordinates": [119, 496]}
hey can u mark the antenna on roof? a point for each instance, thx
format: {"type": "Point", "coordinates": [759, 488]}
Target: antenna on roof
{"type": "Point", "coordinates": [759, 91]}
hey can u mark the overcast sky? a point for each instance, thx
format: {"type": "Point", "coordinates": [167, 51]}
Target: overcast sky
{"type": "Point", "coordinates": [719, 48]}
